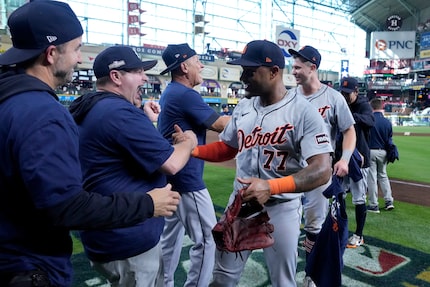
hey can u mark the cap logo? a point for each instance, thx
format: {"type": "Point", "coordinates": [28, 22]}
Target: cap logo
{"type": "Point", "coordinates": [185, 56]}
{"type": "Point", "coordinates": [177, 55]}
{"type": "Point", "coordinates": [51, 38]}
{"type": "Point", "coordinates": [244, 49]}
{"type": "Point", "coordinates": [116, 64]}
{"type": "Point", "coordinates": [268, 60]}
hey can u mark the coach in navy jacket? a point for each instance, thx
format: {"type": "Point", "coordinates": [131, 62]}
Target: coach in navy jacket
{"type": "Point", "coordinates": [120, 149]}
{"type": "Point", "coordinates": [40, 176]}
{"type": "Point", "coordinates": [364, 121]}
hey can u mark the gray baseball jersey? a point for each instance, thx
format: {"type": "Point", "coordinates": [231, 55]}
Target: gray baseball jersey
{"type": "Point", "coordinates": [273, 141]}
{"type": "Point", "coordinates": [333, 108]}
{"type": "Point", "coordinates": [337, 117]}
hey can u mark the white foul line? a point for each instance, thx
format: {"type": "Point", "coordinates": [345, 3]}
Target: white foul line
{"type": "Point", "coordinates": [410, 183]}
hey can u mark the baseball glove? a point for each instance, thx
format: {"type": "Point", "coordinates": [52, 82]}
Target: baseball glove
{"type": "Point", "coordinates": [243, 226]}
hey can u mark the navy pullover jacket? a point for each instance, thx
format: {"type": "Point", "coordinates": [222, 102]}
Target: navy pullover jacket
{"type": "Point", "coordinates": [364, 121]}
{"type": "Point", "coordinates": [41, 183]}
{"type": "Point", "coordinates": [381, 133]}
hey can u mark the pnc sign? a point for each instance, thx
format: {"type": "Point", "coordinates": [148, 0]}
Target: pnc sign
{"type": "Point", "coordinates": [382, 45]}
{"type": "Point", "coordinates": [287, 38]}
{"type": "Point", "coordinates": [393, 45]}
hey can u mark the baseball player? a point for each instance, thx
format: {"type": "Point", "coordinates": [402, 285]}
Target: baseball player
{"type": "Point", "coordinates": [281, 150]}
{"type": "Point", "coordinates": [184, 106]}
{"type": "Point", "coordinates": [338, 119]}
{"type": "Point", "coordinates": [364, 121]}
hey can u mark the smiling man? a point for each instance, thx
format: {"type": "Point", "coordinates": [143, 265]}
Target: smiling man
{"type": "Point", "coordinates": [121, 150]}
{"type": "Point", "coordinates": [281, 150]}
{"type": "Point", "coordinates": [41, 177]}
{"type": "Point", "coordinates": [184, 106]}
{"type": "Point", "coordinates": [337, 119]}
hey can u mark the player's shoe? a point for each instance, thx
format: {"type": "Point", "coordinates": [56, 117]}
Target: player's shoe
{"type": "Point", "coordinates": [389, 205]}
{"type": "Point", "coordinates": [354, 241]}
{"type": "Point", "coordinates": [373, 209]}
{"type": "Point", "coordinates": [307, 282]}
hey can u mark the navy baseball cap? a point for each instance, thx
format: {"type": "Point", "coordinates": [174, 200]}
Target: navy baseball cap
{"type": "Point", "coordinates": [348, 85]}
{"type": "Point", "coordinates": [260, 53]}
{"type": "Point", "coordinates": [37, 25]}
{"type": "Point", "coordinates": [308, 53]}
{"type": "Point", "coordinates": [119, 58]}
{"type": "Point", "coordinates": [175, 54]}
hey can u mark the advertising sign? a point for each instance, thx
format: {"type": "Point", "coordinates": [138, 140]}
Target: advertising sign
{"type": "Point", "coordinates": [287, 38]}
{"type": "Point", "coordinates": [425, 40]}
{"type": "Point", "coordinates": [425, 45]}
{"type": "Point", "coordinates": [424, 54]}
{"type": "Point", "coordinates": [207, 58]}
{"type": "Point", "coordinates": [87, 60]}
{"type": "Point", "coordinates": [289, 80]}
{"type": "Point", "coordinates": [344, 68]}
{"type": "Point", "coordinates": [210, 72]}
{"type": "Point", "coordinates": [392, 45]}
{"type": "Point", "coordinates": [230, 74]}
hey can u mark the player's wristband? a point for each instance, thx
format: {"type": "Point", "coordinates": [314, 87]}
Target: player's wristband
{"type": "Point", "coordinates": [346, 155]}
{"type": "Point", "coordinates": [282, 185]}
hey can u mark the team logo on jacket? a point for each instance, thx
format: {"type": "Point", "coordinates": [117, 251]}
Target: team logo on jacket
{"type": "Point", "coordinates": [322, 139]}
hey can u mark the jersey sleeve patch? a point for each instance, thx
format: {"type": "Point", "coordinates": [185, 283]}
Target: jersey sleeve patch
{"type": "Point", "coordinates": [322, 139]}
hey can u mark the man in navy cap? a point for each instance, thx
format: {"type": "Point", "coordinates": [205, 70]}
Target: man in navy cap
{"type": "Point", "coordinates": [281, 150]}
{"type": "Point", "coordinates": [184, 106]}
{"type": "Point", "coordinates": [121, 150]}
{"type": "Point", "coordinates": [364, 121]}
{"type": "Point", "coordinates": [338, 120]}
{"type": "Point", "coordinates": [41, 178]}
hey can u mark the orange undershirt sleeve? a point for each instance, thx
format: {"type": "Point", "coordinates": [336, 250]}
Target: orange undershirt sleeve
{"type": "Point", "coordinates": [215, 152]}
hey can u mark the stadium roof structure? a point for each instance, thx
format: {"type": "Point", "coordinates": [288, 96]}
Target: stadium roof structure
{"type": "Point", "coordinates": [371, 15]}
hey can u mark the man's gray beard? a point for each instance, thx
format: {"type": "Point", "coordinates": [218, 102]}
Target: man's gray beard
{"type": "Point", "coordinates": [63, 77]}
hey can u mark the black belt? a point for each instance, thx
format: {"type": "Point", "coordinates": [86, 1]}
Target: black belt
{"type": "Point", "coordinates": [276, 200]}
{"type": "Point", "coordinates": [33, 278]}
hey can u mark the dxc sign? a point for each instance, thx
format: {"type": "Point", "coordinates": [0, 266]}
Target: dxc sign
{"type": "Point", "coordinates": [287, 38]}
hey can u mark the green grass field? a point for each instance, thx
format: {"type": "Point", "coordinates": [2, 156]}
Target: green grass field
{"type": "Point", "coordinates": [414, 155]}
{"type": "Point", "coordinates": [419, 130]}
{"type": "Point", "coordinates": [405, 225]}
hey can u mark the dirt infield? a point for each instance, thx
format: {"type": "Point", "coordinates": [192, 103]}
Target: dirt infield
{"type": "Point", "coordinates": [411, 192]}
